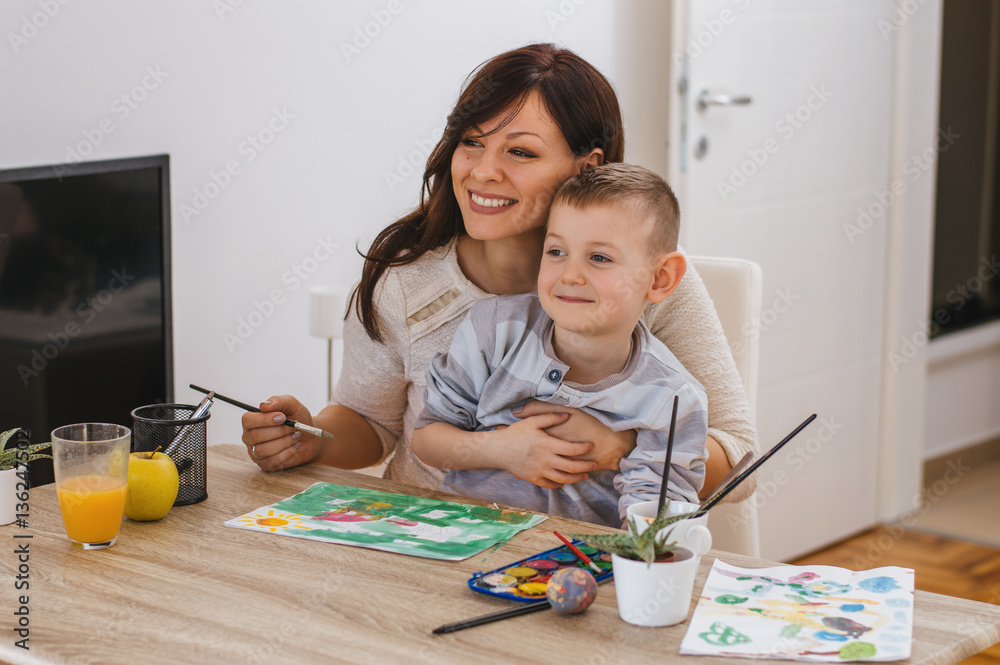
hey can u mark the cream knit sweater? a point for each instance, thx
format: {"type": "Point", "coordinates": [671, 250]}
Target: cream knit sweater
{"type": "Point", "coordinates": [420, 306]}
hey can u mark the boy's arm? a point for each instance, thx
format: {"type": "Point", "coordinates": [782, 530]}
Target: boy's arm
{"type": "Point", "coordinates": [443, 435]}
{"type": "Point", "coordinates": [642, 470]}
{"type": "Point", "coordinates": [523, 449]}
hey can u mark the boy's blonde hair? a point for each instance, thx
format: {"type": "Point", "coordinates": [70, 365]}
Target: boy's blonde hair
{"type": "Point", "coordinates": [643, 194]}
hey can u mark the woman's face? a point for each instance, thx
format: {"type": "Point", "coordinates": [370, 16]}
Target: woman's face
{"type": "Point", "coordinates": [505, 181]}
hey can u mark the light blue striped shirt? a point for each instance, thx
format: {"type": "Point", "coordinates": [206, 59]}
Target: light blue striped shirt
{"type": "Point", "coordinates": [502, 356]}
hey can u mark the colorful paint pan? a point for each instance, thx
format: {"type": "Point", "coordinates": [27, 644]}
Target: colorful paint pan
{"type": "Point", "coordinates": [533, 589]}
{"type": "Point", "coordinates": [497, 580]}
{"type": "Point", "coordinates": [522, 573]}
{"type": "Point", "coordinates": [543, 565]}
{"type": "Point", "coordinates": [526, 580]}
{"type": "Point", "coordinates": [563, 556]}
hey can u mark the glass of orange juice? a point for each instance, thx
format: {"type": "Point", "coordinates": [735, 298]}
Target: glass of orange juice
{"type": "Point", "coordinates": [91, 468]}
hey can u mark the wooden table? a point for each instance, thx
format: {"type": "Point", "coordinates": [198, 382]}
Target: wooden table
{"type": "Point", "coordinates": [187, 589]}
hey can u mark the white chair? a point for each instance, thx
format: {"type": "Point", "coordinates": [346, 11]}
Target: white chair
{"type": "Point", "coordinates": [735, 287]}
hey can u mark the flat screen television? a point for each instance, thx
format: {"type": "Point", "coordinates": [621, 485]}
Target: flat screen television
{"type": "Point", "coordinates": [85, 310]}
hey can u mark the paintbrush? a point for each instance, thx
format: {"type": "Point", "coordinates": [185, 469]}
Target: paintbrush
{"type": "Point", "coordinates": [666, 460]}
{"type": "Point", "coordinates": [527, 608]}
{"type": "Point", "coordinates": [735, 471]}
{"type": "Point", "coordinates": [309, 429]}
{"type": "Point", "coordinates": [746, 474]}
{"type": "Point", "coordinates": [199, 411]}
{"type": "Point", "coordinates": [580, 555]}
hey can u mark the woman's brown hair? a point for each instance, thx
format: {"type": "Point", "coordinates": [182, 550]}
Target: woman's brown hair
{"type": "Point", "coordinates": [580, 100]}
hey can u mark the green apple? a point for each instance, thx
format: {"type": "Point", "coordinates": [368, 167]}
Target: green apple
{"type": "Point", "coordinates": [152, 486]}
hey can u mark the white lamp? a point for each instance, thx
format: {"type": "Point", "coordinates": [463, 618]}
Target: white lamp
{"type": "Point", "coordinates": [327, 305]}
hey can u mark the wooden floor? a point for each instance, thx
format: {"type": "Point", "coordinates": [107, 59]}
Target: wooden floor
{"type": "Point", "coordinates": [951, 567]}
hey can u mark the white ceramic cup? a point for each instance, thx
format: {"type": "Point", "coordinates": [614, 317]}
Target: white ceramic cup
{"type": "Point", "coordinates": [691, 533]}
{"type": "Point", "coordinates": [658, 594]}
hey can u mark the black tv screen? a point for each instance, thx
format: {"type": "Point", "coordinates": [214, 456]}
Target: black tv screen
{"type": "Point", "coordinates": [85, 315]}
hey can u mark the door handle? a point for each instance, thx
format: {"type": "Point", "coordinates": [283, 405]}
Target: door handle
{"type": "Point", "coordinates": [706, 99]}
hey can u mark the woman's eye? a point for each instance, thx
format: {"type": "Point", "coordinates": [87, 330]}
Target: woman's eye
{"type": "Point", "coordinates": [473, 143]}
{"type": "Point", "coordinates": [521, 153]}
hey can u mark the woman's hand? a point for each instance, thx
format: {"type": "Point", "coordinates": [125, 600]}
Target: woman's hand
{"type": "Point", "coordinates": [273, 445]}
{"type": "Point", "coordinates": [609, 448]}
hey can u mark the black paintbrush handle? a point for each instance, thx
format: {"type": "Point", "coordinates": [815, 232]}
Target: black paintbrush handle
{"type": "Point", "coordinates": [666, 460]}
{"type": "Point", "coordinates": [753, 467]}
{"type": "Point", "coordinates": [242, 405]}
{"type": "Point", "coordinates": [527, 608]}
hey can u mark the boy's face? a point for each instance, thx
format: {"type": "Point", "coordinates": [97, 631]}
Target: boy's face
{"type": "Point", "coordinates": [597, 268]}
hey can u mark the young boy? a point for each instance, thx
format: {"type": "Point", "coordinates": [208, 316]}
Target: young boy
{"type": "Point", "coordinates": [610, 250]}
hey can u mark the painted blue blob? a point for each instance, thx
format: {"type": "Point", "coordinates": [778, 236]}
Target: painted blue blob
{"type": "Point", "coordinates": [830, 637]}
{"type": "Point", "coordinates": [853, 607]}
{"type": "Point", "coordinates": [895, 626]}
{"type": "Point", "coordinates": [901, 617]}
{"type": "Point", "coordinates": [895, 637]}
{"type": "Point", "coordinates": [897, 602]}
{"type": "Point", "coordinates": [879, 584]}
{"type": "Point", "coordinates": [891, 648]}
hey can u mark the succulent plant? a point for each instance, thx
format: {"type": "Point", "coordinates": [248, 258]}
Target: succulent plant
{"type": "Point", "coordinates": [645, 546]}
{"type": "Point", "coordinates": [10, 456]}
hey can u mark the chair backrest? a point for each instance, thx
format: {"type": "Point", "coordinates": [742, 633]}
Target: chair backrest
{"type": "Point", "coordinates": [735, 287]}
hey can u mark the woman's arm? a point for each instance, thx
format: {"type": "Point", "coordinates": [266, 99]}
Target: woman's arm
{"type": "Point", "coordinates": [688, 324]}
{"type": "Point", "coordinates": [274, 446]}
{"type": "Point", "coordinates": [366, 418]}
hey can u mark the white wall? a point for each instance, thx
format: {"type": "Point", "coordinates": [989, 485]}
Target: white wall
{"type": "Point", "coordinates": [347, 122]}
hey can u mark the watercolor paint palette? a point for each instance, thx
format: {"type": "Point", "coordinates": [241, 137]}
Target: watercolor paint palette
{"type": "Point", "coordinates": [525, 580]}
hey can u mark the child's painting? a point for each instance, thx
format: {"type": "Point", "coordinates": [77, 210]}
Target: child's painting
{"type": "Point", "coordinates": [813, 613]}
{"type": "Point", "coordinates": [391, 522]}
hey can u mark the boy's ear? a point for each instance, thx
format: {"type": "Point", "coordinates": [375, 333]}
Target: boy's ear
{"type": "Point", "coordinates": [668, 271]}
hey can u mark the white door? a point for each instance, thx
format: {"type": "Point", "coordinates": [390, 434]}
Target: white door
{"type": "Point", "coordinates": [782, 180]}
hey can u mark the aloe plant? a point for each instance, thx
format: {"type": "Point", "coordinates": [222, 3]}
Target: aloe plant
{"type": "Point", "coordinates": [645, 546]}
{"type": "Point", "coordinates": [10, 456]}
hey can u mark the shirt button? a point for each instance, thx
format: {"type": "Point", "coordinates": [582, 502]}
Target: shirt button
{"type": "Point", "coordinates": [554, 375]}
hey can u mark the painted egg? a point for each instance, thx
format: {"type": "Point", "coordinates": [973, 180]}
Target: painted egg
{"type": "Point", "coordinates": [571, 590]}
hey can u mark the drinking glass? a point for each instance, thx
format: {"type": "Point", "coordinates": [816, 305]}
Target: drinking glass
{"type": "Point", "coordinates": [91, 468]}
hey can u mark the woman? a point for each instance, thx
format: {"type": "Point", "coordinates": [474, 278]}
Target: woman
{"type": "Point", "coordinates": [526, 121]}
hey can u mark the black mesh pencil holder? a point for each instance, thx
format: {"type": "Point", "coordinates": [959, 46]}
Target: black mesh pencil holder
{"type": "Point", "coordinates": [161, 425]}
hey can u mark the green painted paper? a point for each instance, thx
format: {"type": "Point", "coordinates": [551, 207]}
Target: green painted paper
{"type": "Point", "coordinates": [390, 522]}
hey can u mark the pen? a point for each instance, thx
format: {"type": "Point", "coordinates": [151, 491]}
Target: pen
{"type": "Point", "coordinates": [583, 557]}
{"type": "Point", "coordinates": [309, 429]}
